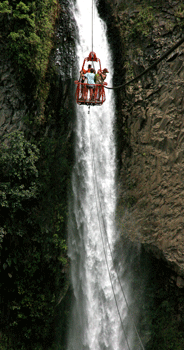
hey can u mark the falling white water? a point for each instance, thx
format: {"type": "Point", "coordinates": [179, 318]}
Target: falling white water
{"type": "Point", "coordinates": [95, 322]}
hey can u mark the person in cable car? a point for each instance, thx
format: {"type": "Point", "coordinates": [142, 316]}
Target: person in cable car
{"type": "Point", "coordinates": [91, 82]}
{"type": "Point", "coordinates": [104, 73]}
{"type": "Point", "coordinates": [83, 79]}
{"type": "Point", "coordinates": [99, 79]}
{"type": "Point", "coordinates": [95, 88]}
{"type": "Point", "coordinates": [88, 70]}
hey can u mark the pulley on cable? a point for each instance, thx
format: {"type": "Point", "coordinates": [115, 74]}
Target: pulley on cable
{"type": "Point", "coordinates": [90, 86]}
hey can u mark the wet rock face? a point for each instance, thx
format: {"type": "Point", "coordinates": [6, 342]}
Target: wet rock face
{"type": "Point", "coordinates": [152, 176]}
{"type": "Point", "coordinates": [13, 107]}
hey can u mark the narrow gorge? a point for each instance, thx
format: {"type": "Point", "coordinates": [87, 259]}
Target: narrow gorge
{"type": "Point", "coordinates": [47, 199]}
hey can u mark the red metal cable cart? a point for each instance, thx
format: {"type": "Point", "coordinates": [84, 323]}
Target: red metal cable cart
{"type": "Point", "coordinates": [90, 96]}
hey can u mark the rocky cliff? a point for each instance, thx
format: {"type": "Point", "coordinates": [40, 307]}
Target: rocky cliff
{"type": "Point", "coordinates": [12, 101]}
{"type": "Point", "coordinates": [152, 129]}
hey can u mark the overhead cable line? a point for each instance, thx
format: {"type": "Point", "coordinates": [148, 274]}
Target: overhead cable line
{"type": "Point", "coordinates": [167, 53]}
{"type": "Point", "coordinates": [92, 28]}
{"type": "Point", "coordinates": [105, 231]}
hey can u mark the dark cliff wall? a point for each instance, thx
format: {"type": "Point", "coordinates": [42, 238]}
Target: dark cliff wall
{"type": "Point", "coordinates": [149, 128]}
{"type": "Point", "coordinates": [153, 174]}
{"type": "Point", "coordinates": [151, 123]}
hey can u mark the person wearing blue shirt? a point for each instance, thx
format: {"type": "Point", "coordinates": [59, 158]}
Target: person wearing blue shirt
{"type": "Point", "coordinates": [91, 82]}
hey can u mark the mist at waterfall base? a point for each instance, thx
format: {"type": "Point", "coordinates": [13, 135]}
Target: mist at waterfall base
{"type": "Point", "coordinates": [99, 318]}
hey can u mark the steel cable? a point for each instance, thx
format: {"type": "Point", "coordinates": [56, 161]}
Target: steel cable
{"type": "Point", "coordinates": [105, 231]}
{"type": "Point", "coordinates": [92, 28]}
{"type": "Point", "coordinates": [167, 53]}
{"type": "Point", "coordinates": [99, 220]}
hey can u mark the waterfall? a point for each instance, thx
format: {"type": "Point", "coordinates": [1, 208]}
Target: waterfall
{"type": "Point", "coordinates": [95, 322]}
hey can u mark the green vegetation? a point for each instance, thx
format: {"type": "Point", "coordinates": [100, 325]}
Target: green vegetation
{"type": "Point", "coordinates": [140, 23]}
{"type": "Point", "coordinates": [35, 169]}
{"type": "Point", "coordinates": [143, 22]}
{"type": "Point", "coordinates": [33, 247]}
{"type": "Point", "coordinates": [29, 27]}
{"type": "Point", "coordinates": [180, 11]}
{"type": "Point", "coordinates": [179, 14]}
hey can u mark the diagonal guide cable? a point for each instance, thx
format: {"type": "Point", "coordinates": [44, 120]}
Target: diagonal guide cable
{"type": "Point", "coordinates": [98, 202]}
{"type": "Point", "coordinates": [105, 254]}
{"type": "Point", "coordinates": [167, 53]}
{"type": "Point", "coordinates": [104, 229]}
